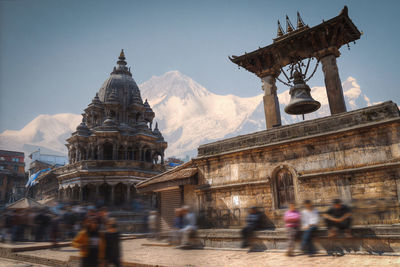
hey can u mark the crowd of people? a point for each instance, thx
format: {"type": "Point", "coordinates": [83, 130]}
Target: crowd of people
{"type": "Point", "coordinates": [91, 230]}
{"type": "Point", "coordinates": [95, 233]}
{"type": "Point", "coordinates": [337, 219]}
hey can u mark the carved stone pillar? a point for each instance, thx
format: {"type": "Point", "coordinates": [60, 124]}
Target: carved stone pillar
{"type": "Point", "coordinates": [112, 194]}
{"type": "Point", "coordinates": [100, 152]}
{"type": "Point", "coordinates": [128, 193]}
{"type": "Point", "coordinates": [333, 84]}
{"type": "Point", "coordinates": [80, 193]}
{"type": "Point", "coordinates": [97, 196]}
{"type": "Point", "coordinates": [271, 103]}
{"type": "Point", "coordinates": [115, 151]}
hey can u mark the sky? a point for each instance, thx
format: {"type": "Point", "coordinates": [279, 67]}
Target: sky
{"type": "Point", "coordinates": [55, 54]}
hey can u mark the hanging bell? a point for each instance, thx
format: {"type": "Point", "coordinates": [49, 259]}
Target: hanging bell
{"type": "Point", "coordinates": [301, 101]}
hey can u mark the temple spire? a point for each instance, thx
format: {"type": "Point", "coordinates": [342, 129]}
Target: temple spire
{"type": "Point", "coordinates": [300, 22]}
{"type": "Point", "coordinates": [121, 58]}
{"type": "Point", "coordinates": [280, 30]}
{"type": "Point", "coordinates": [289, 26]}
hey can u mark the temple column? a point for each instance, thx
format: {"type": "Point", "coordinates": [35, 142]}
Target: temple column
{"type": "Point", "coordinates": [80, 193]}
{"type": "Point", "coordinates": [115, 152]}
{"type": "Point", "coordinates": [271, 103]}
{"type": "Point", "coordinates": [128, 193]}
{"type": "Point", "coordinates": [125, 153]}
{"type": "Point", "coordinates": [333, 84]}
{"type": "Point", "coordinates": [112, 194]}
{"type": "Point", "coordinates": [97, 191]}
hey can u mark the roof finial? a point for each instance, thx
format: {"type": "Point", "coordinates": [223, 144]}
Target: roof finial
{"type": "Point", "coordinates": [300, 22]}
{"type": "Point", "coordinates": [121, 58]}
{"type": "Point", "coordinates": [280, 30]}
{"type": "Point", "coordinates": [122, 54]}
{"type": "Point", "coordinates": [156, 126]}
{"type": "Point", "coordinates": [289, 26]}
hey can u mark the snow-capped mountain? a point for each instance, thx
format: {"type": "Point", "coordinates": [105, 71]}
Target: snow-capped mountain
{"type": "Point", "coordinates": [187, 114]}
{"type": "Point", "coordinates": [47, 132]}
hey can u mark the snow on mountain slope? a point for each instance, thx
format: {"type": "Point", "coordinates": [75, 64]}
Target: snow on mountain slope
{"type": "Point", "coordinates": [47, 132]}
{"type": "Point", "coordinates": [187, 113]}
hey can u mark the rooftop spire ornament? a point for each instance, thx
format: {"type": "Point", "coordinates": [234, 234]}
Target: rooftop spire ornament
{"type": "Point", "coordinates": [300, 22]}
{"type": "Point", "coordinates": [280, 30]}
{"type": "Point", "coordinates": [289, 25]}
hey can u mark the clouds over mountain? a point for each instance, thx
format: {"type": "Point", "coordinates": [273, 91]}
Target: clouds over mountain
{"type": "Point", "coordinates": [187, 113]}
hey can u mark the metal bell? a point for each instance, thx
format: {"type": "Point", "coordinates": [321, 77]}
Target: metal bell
{"type": "Point", "coordinates": [301, 101]}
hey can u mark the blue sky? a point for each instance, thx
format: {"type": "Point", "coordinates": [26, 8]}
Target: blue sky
{"type": "Point", "coordinates": [54, 55]}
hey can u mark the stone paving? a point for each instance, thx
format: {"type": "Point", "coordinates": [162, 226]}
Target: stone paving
{"type": "Point", "coordinates": [135, 252]}
{"type": "Point", "coordinates": [15, 263]}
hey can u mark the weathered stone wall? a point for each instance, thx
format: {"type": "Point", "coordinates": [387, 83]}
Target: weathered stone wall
{"type": "Point", "coordinates": [358, 163]}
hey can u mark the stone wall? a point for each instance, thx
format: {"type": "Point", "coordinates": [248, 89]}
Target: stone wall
{"type": "Point", "coordinates": [358, 163]}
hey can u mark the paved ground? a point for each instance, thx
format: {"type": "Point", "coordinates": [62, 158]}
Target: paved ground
{"type": "Point", "coordinates": [134, 251]}
{"type": "Point", "coordinates": [14, 263]}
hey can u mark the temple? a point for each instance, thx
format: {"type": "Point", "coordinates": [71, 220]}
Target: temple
{"type": "Point", "coordinates": [115, 146]}
{"type": "Point", "coordinates": [350, 155]}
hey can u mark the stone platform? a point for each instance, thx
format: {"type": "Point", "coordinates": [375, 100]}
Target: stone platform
{"type": "Point", "coordinates": [377, 239]}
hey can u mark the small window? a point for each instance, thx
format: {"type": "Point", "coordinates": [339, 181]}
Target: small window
{"type": "Point", "coordinates": [284, 188]}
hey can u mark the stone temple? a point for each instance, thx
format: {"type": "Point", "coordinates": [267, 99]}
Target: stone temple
{"type": "Point", "coordinates": [351, 155]}
{"type": "Point", "coordinates": [115, 146]}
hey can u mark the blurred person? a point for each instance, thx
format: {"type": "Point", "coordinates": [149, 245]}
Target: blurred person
{"type": "Point", "coordinates": [91, 244]}
{"type": "Point", "coordinates": [252, 224]}
{"type": "Point", "coordinates": [16, 226]}
{"type": "Point", "coordinates": [175, 238]}
{"type": "Point", "coordinates": [8, 225]}
{"type": "Point", "coordinates": [42, 221]}
{"type": "Point", "coordinates": [189, 225]}
{"type": "Point", "coordinates": [3, 223]}
{"type": "Point", "coordinates": [309, 222]}
{"type": "Point", "coordinates": [102, 216]}
{"type": "Point", "coordinates": [69, 220]}
{"type": "Point", "coordinates": [152, 222]}
{"type": "Point", "coordinates": [55, 229]}
{"type": "Point", "coordinates": [112, 243]}
{"type": "Point", "coordinates": [292, 220]}
{"type": "Point", "coordinates": [338, 217]}
{"type": "Point", "coordinates": [30, 225]}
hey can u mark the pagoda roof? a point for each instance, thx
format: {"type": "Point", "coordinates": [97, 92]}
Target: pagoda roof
{"type": "Point", "coordinates": [301, 43]}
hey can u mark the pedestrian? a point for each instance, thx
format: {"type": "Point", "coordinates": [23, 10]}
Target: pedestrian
{"type": "Point", "coordinates": [292, 222]}
{"type": "Point", "coordinates": [175, 238]}
{"type": "Point", "coordinates": [338, 217]}
{"type": "Point", "coordinates": [91, 244]}
{"type": "Point", "coordinates": [153, 223]}
{"type": "Point", "coordinates": [55, 230]}
{"type": "Point", "coordinates": [112, 241]}
{"type": "Point", "coordinates": [252, 224]}
{"type": "Point", "coordinates": [309, 222]}
{"type": "Point", "coordinates": [189, 225]}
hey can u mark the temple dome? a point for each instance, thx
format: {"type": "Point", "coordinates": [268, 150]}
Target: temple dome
{"type": "Point", "coordinates": [120, 85]}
